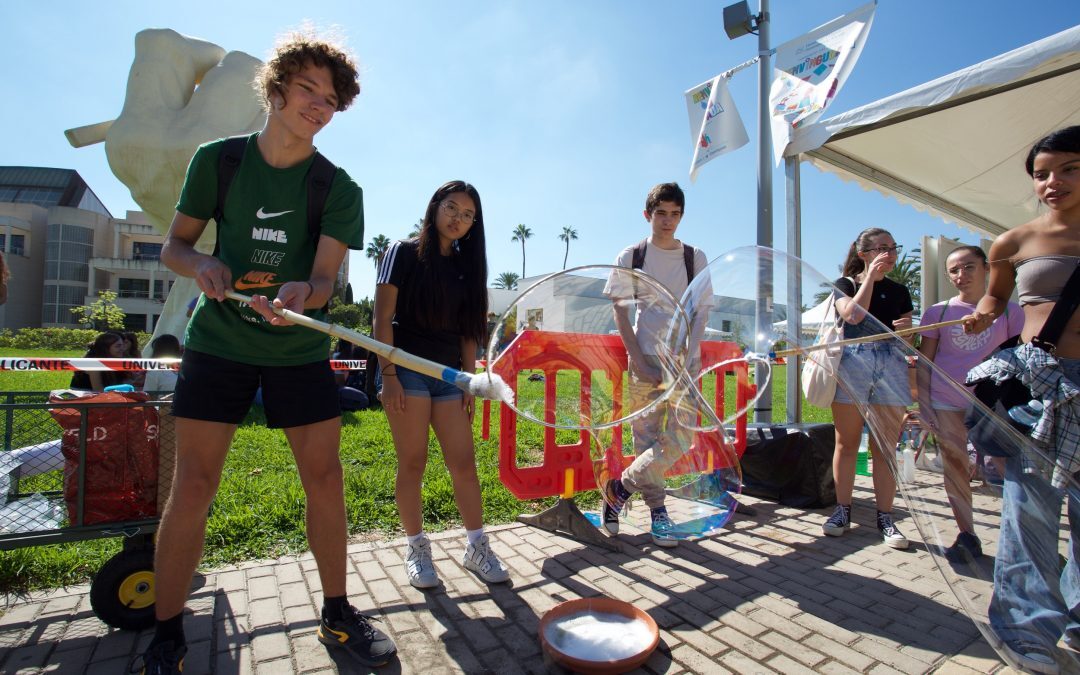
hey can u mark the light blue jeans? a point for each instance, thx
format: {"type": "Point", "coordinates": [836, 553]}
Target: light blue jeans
{"type": "Point", "coordinates": [1034, 600]}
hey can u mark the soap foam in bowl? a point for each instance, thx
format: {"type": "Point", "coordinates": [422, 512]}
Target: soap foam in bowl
{"type": "Point", "coordinates": [598, 635]}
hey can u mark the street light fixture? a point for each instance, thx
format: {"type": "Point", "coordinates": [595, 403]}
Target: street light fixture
{"type": "Point", "coordinates": [738, 22]}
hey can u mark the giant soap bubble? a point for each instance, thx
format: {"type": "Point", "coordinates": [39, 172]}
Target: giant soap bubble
{"type": "Point", "coordinates": [562, 346]}
{"type": "Point", "coordinates": [1020, 592]}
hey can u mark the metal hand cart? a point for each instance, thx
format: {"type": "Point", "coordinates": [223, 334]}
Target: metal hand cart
{"type": "Point", "coordinates": [60, 482]}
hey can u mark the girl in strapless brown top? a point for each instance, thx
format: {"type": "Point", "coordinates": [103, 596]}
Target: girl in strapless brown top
{"type": "Point", "coordinates": [1048, 246]}
{"type": "Point", "coordinates": [1035, 608]}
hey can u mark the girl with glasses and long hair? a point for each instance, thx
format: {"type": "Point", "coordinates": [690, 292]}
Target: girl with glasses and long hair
{"type": "Point", "coordinates": [431, 301]}
{"type": "Point", "coordinates": [872, 379]}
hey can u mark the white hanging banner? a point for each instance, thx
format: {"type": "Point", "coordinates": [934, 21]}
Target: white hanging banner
{"type": "Point", "coordinates": [810, 70]}
{"type": "Point", "coordinates": [715, 125]}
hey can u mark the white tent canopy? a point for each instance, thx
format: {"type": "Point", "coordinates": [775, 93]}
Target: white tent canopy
{"type": "Point", "coordinates": [953, 147]}
{"type": "Point", "coordinates": [956, 146]}
{"type": "Point", "coordinates": [811, 318]}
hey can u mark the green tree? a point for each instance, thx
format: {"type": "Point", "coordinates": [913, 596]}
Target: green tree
{"type": "Point", "coordinates": [908, 273]}
{"type": "Point", "coordinates": [568, 234]}
{"type": "Point", "coordinates": [377, 248]}
{"type": "Point", "coordinates": [348, 294]}
{"type": "Point", "coordinates": [521, 233]}
{"type": "Point", "coordinates": [367, 313]}
{"type": "Point", "coordinates": [102, 314]}
{"type": "Point", "coordinates": [415, 231]}
{"type": "Point", "coordinates": [344, 314]}
{"type": "Point", "coordinates": [507, 281]}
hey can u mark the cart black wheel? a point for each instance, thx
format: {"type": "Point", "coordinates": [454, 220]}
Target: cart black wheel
{"type": "Point", "coordinates": [122, 593]}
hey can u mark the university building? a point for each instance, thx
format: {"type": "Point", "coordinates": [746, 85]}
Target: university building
{"type": "Point", "coordinates": [62, 246]}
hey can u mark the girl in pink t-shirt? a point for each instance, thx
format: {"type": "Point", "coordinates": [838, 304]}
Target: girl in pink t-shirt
{"type": "Point", "coordinates": [942, 402]}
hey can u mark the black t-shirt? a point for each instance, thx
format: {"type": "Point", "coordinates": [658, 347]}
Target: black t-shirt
{"type": "Point", "coordinates": [81, 379]}
{"type": "Point", "coordinates": [439, 285]}
{"type": "Point", "coordinates": [889, 302]}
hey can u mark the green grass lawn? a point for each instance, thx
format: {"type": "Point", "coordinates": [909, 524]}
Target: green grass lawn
{"type": "Point", "coordinates": [259, 509]}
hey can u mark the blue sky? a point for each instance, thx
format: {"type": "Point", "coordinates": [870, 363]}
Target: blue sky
{"type": "Point", "coordinates": [560, 112]}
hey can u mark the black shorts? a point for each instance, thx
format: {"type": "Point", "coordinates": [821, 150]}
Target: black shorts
{"type": "Point", "coordinates": [214, 389]}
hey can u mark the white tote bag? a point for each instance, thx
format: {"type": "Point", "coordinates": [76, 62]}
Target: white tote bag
{"type": "Point", "coordinates": [820, 368]}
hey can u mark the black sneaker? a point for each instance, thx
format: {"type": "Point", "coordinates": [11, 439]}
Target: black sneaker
{"type": "Point", "coordinates": [613, 505]}
{"type": "Point", "coordinates": [354, 632]}
{"type": "Point", "coordinates": [839, 522]}
{"type": "Point", "coordinates": [164, 658]}
{"type": "Point", "coordinates": [966, 548]}
{"type": "Point", "coordinates": [889, 532]}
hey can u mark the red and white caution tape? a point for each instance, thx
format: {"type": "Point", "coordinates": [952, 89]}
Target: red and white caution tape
{"type": "Point", "coordinates": [34, 363]}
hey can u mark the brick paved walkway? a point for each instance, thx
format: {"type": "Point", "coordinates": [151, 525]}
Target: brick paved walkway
{"type": "Point", "coordinates": [768, 594]}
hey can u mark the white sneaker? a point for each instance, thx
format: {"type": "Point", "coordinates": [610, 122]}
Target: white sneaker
{"type": "Point", "coordinates": [889, 534]}
{"type": "Point", "coordinates": [419, 566]}
{"type": "Point", "coordinates": [480, 559]}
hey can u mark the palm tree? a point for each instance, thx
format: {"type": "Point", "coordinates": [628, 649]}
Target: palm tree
{"type": "Point", "coordinates": [908, 273]}
{"type": "Point", "coordinates": [507, 281]}
{"type": "Point", "coordinates": [521, 233]}
{"type": "Point", "coordinates": [568, 233]}
{"type": "Point", "coordinates": [377, 248]}
{"type": "Point", "coordinates": [417, 226]}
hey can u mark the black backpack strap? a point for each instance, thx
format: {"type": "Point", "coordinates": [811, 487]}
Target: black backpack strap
{"type": "Point", "coordinates": [232, 154]}
{"type": "Point", "coordinates": [320, 177]}
{"type": "Point", "coordinates": [688, 259]}
{"type": "Point", "coordinates": [1060, 315]}
{"type": "Point", "coordinates": [637, 259]}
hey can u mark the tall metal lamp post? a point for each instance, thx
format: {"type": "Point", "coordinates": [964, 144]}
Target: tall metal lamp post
{"type": "Point", "coordinates": [738, 22]}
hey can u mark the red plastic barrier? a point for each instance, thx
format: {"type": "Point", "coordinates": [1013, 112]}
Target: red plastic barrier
{"type": "Point", "coordinates": [121, 462]}
{"type": "Point", "coordinates": [567, 469]}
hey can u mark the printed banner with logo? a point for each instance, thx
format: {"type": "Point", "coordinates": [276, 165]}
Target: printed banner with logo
{"type": "Point", "coordinates": [715, 125]}
{"type": "Point", "coordinates": [810, 70]}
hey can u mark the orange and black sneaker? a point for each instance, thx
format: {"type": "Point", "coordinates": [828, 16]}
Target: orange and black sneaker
{"type": "Point", "coordinates": [164, 658]}
{"type": "Point", "coordinates": [354, 633]}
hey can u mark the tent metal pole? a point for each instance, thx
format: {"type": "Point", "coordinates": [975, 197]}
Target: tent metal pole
{"type": "Point", "coordinates": [763, 408]}
{"type": "Point", "coordinates": [793, 190]}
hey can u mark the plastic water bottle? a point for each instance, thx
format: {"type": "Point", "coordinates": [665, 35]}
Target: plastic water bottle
{"type": "Point", "coordinates": [1027, 414]}
{"type": "Point", "coordinates": [907, 464]}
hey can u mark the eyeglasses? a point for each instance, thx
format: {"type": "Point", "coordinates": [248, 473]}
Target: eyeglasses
{"type": "Point", "coordinates": [955, 271]}
{"type": "Point", "coordinates": [452, 211]}
{"type": "Point", "coordinates": [885, 249]}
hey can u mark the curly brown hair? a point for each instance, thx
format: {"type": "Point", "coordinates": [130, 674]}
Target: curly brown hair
{"type": "Point", "coordinates": [299, 49]}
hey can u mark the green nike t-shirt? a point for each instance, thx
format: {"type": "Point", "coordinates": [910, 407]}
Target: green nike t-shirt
{"type": "Point", "coordinates": [264, 240]}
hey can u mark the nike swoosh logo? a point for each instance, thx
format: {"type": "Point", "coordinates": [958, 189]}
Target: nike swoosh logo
{"type": "Point", "coordinates": [262, 215]}
{"type": "Point", "coordinates": [247, 286]}
{"type": "Point", "coordinates": [342, 636]}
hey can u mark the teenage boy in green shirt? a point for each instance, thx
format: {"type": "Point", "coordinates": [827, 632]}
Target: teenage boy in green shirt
{"type": "Point", "coordinates": [265, 248]}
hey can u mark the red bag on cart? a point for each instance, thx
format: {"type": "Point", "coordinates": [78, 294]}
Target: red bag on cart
{"type": "Point", "coordinates": [121, 469]}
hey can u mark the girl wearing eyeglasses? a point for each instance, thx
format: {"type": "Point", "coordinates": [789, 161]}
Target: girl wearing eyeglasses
{"type": "Point", "coordinates": [872, 379]}
{"type": "Point", "coordinates": [941, 403]}
{"type": "Point", "coordinates": [431, 301]}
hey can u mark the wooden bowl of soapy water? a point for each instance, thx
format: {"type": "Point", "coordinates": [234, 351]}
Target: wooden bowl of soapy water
{"type": "Point", "coordinates": [597, 636]}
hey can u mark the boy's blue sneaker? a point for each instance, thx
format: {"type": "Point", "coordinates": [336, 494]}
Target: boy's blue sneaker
{"type": "Point", "coordinates": [662, 528]}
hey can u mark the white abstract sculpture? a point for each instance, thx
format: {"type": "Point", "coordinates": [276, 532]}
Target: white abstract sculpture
{"type": "Point", "coordinates": [181, 92]}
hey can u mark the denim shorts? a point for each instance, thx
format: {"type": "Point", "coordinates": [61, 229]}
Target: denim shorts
{"type": "Point", "coordinates": [873, 373]}
{"type": "Point", "coordinates": [425, 386]}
